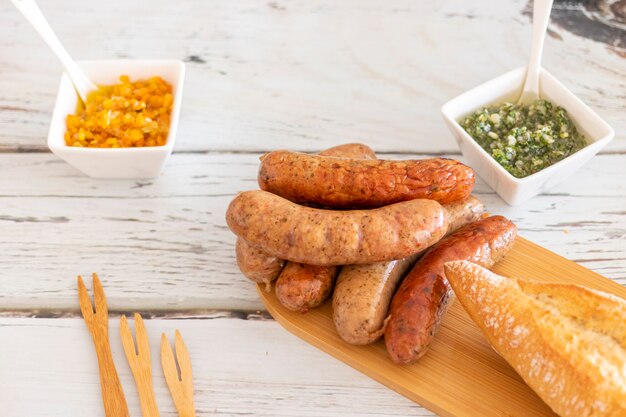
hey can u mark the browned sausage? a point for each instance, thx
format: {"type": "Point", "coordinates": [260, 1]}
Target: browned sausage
{"type": "Point", "coordinates": [361, 302]}
{"type": "Point", "coordinates": [328, 237]}
{"type": "Point", "coordinates": [363, 292]}
{"type": "Point", "coordinates": [300, 287]}
{"type": "Point", "coordinates": [256, 264]}
{"type": "Point", "coordinates": [423, 297]}
{"type": "Point", "coordinates": [349, 183]}
{"type": "Point", "coordinates": [261, 267]}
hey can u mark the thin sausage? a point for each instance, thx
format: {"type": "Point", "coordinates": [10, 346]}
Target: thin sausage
{"type": "Point", "coordinates": [300, 287]}
{"type": "Point", "coordinates": [424, 295]}
{"type": "Point", "coordinates": [349, 183]}
{"type": "Point", "coordinates": [363, 292]}
{"type": "Point", "coordinates": [327, 237]}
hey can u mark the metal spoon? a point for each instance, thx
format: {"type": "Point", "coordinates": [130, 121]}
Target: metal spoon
{"type": "Point", "coordinates": [541, 17]}
{"type": "Point", "coordinates": [33, 14]}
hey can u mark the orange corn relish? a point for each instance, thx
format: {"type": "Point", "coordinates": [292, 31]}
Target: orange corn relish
{"type": "Point", "coordinates": [129, 114]}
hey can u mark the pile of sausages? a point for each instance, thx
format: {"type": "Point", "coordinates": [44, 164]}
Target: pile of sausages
{"type": "Point", "coordinates": [381, 229]}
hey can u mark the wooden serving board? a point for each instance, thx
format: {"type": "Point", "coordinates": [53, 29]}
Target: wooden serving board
{"type": "Point", "coordinates": [461, 375]}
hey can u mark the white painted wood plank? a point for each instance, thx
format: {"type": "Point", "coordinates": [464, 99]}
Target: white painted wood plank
{"type": "Point", "coordinates": [240, 367]}
{"type": "Point", "coordinates": [164, 245]}
{"type": "Point", "coordinates": [265, 74]}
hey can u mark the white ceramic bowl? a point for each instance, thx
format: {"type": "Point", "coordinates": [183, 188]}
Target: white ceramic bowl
{"type": "Point", "coordinates": [144, 162]}
{"type": "Point", "coordinates": [507, 87]}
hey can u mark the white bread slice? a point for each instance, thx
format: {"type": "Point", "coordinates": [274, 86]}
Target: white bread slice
{"type": "Point", "coordinates": [566, 341]}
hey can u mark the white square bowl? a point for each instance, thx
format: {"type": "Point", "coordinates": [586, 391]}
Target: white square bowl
{"type": "Point", "coordinates": [144, 162]}
{"type": "Point", "coordinates": [507, 87]}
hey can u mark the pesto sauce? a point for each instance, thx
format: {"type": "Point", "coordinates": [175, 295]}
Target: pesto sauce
{"type": "Point", "coordinates": [524, 139]}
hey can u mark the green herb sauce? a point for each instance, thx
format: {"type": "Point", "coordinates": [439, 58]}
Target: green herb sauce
{"type": "Point", "coordinates": [525, 139]}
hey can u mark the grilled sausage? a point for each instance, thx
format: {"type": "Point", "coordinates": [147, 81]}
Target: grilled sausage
{"type": "Point", "coordinates": [261, 267]}
{"type": "Point", "coordinates": [327, 237]}
{"type": "Point", "coordinates": [424, 295]}
{"type": "Point", "coordinates": [300, 287]}
{"type": "Point", "coordinates": [257, 265]}
{"type": "Point", "coordinates": [363, 292]}
{"type": "Point", "coordinates": [349, 183]}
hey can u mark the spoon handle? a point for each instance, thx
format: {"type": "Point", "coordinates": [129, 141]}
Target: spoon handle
{"type": "Point", "coordinates": [541, 17]}
{"type": "Point", "coordinates": [33, 14]}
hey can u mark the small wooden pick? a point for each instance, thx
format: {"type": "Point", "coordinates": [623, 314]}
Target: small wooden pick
{"type": "Point", "coordinates": [181, 387]}
{"type": "Point", "coordinates": [98, 325]}
{"type": "Point", "coordinates": [139, 361]}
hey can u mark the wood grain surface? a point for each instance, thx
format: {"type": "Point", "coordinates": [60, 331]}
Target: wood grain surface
{"type": "Point", "coordinates": [460, 375]}
{"type": "Point", "coordinates": [242, 366]}
{"type": "Point", "coordinates": [138, 357]}
{"type": "Point", "coordinates": [260, 76]}
{"type": "Point", "coordinates": [178, 375]}
{"type": "Point", "coordinates": [164, 245]}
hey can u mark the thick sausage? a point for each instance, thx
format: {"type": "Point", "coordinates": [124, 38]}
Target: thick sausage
{"type": "Point", "coordinates": [327, 237]}
{"type": "Point", "coordinates": [424, 295]}
{"type": "Point", "coordinates": [261, 267]}
{"type": "Point", "coordinates": [363, 292]}
{"type": "Point", "coordinates": [361, 298]}
{"type": "Point", "coordinates": [349, 183]}
{"type": "Point", "coordinates": [300, 287]}
{"type": "Point", "coordinates": [256, 264]}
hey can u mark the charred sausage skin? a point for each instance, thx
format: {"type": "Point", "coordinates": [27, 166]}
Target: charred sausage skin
{"type": "Point", "coordinates": [349, 183]}
{"type": "Point", "coordinates": [424, 296]}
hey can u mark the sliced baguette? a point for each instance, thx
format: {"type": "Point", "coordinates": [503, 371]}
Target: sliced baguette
{"type": "Point", "coordinates": [566, 341]}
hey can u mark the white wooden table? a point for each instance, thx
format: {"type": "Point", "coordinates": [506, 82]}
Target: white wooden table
{"type": "Point", "coordinates": [261, 75]}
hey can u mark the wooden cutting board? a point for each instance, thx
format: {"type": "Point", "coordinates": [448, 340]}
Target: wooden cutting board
{"type": "Point", "coordinates": [461, 375]}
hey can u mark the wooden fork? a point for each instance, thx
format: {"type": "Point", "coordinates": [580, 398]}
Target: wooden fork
{"type": "Point", "coordinates": [181, 387]}
{"type": "Point", "coordinates": [139, 361]}
{"type": "Point", "coordinates": [98, 325]}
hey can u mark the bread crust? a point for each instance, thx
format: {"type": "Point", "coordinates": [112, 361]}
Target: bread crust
{"type": "Point", "coordinates": [566, 341]}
